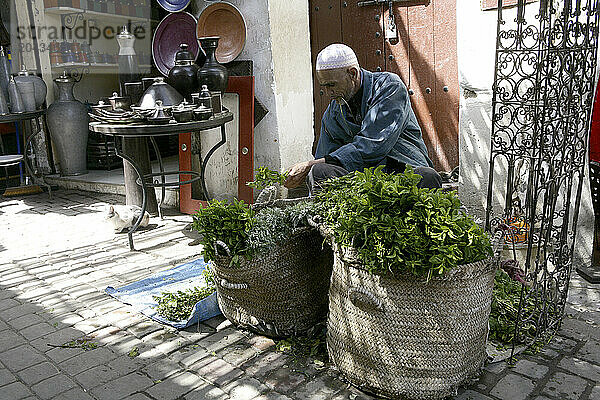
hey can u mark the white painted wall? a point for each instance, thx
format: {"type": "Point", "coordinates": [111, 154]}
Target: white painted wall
{"type": "Point", "coordinates": [476, 43]}
{"type": "Point", "coordinates": [222, 168]}
{"type": "Point", "coordinates": [292, 70]}
{"type": "Point", "coordinates": [278, 43]}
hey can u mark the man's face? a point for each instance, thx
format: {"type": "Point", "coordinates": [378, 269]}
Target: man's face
{"type": "Point", "coordinates": [340, 83]}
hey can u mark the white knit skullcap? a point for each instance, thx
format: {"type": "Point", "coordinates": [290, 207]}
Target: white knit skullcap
{"type": "Point", "coordinates": [336, 55]}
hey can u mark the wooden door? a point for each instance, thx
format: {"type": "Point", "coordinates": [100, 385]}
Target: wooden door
{"type": "Point", "coordinates": [325, 28]}
{"type": "Point", "coordinates": [423, 55]}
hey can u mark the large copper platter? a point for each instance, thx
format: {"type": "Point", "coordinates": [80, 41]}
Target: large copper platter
{"type": "Point", "coordinates": [226, 21]}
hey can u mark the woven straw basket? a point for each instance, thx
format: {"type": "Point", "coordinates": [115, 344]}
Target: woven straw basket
{"type": "Point", "coordinates": [403, 337]}
{"type": "Point", "coordinates": [281, 293]}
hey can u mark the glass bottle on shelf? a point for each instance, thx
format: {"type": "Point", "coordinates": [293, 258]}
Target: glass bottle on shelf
{"type": "Point", "coordinates": [129, 70]}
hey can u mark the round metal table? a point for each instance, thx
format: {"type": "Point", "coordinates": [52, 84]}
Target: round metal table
{"type": "Point", "coordinates": [26, 116]}
{"type": "Point", "coordinates": [151, 131]}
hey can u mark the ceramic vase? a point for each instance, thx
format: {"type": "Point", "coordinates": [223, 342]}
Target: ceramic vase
{"type": "Point", "coordinates": [212, 74]}
{"type": "Point", "coordinates": [3, 104]}
{"type": "Point", "coordinates": [68, 123]}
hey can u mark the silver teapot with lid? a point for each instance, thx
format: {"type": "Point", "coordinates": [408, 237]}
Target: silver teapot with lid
{"type": "Point", "coordinates": [160, 90]}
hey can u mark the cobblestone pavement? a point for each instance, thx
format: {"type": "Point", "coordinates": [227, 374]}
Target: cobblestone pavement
{"type": "Point", "coordinates": [57, 257]}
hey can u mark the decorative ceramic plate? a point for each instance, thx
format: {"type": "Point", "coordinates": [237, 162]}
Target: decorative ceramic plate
{"type": "Point", "coordinates": [225, 21]}
{"type": "Point", "coordinates": [173, 30]}
{"type": "Point", "coordinates": [173, 5]}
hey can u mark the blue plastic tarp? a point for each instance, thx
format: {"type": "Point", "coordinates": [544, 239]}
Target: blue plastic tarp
{"type": "Point", "coordinates": [186, 276]}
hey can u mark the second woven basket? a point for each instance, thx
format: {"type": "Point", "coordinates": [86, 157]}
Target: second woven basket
{"type": "Point", "coordinates": [278, 294]}
{"type": "Point", "coordinates": [402, 337]}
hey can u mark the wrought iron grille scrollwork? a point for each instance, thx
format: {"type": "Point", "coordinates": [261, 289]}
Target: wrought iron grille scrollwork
{"type": "Point", "coordinates": [77, 73]}
{"type": "Point", "coordinates": [70, 20]}
{"type": "Point", "coordinates": [541, 108]}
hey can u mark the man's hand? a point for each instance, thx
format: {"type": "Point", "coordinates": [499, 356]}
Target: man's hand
{"type": "Point", "coordinates": [297, 173]}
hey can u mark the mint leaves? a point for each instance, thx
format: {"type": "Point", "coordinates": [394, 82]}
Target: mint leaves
{"type": "Point", "coordinates": [397, 227]}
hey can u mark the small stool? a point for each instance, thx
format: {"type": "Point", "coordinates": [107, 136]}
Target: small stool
{"type": "Point", "coordinates": [14, 159]}
{"type": "Point", "coordinates": [10, 159]}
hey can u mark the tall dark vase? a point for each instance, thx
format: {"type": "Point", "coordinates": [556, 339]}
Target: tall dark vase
{"type": "Point", "coordinates": [68, 123]}
{"type": "Point", "coordinates": [212, 74]}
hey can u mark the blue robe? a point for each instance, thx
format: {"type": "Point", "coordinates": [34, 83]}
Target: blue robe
{"type": "Point", "coordinates": [389, 127]}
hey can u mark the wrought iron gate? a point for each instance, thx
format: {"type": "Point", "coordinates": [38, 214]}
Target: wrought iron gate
{"type": "Point", "coordinates": [541, 108]}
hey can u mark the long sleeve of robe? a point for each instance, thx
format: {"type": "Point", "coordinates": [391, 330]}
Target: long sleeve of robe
{"type": "Point", "coordinates": [389, 128]}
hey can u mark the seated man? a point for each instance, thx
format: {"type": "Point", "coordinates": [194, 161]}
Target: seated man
{"type": "Point", "coordinates": [369, 122]}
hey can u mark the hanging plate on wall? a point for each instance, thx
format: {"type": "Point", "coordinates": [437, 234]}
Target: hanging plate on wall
{"type": "Point", "coordinates": [173, 5]}
{"type": "Point", "coordinates": [226, 21]}
{"type": "Point", "coordinates": [173, 30]}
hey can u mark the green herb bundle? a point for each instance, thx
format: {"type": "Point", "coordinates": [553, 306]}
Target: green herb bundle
{"type": "Point", "coordinates": [397, 227]}
{"type": "Point", "coordinates": [273, 226]}
{"type": "Point", "coordinates": [245, 232]}
{"type": "Point", "coordinates": [224, 221]}
{"type": "Point", "coordinates": [177, 306]}
{"type": "Point", "coordinates": [299, 347]}
{"type": "Point", "coordinates": [264, 177]}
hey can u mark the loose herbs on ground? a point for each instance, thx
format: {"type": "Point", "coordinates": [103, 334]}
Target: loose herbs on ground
{"type": "Point", "coordinates": [505, 311]}
{"type": "Point", "coordinates": [397, 227]}
{"type": "Point", "coordinates": [178, 306]}
{"type": "Point", "coordinates": [312, 346]}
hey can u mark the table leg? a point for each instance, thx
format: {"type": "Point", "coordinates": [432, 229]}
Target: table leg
{"type": "Point", "coordinates": [28, 166]}
{"type": "Point", "coordinates": [46, 130]}
{"type": "Point", "coordinates": [163, 180]}
{"type": "Point", "coordinates": [144, 190]}
{"type": "Point", "coordinates": [205, 161]}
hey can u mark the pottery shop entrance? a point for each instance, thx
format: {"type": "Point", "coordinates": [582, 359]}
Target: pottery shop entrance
{"type": "Point", "coordinates": [421, 50]}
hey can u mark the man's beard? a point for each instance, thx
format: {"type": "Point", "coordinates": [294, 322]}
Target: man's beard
{"type": "Point", "coordinates": [341, 101]}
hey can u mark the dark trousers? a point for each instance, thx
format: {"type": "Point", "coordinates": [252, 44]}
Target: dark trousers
{"type": "Point", "coordinates": [323, 171]}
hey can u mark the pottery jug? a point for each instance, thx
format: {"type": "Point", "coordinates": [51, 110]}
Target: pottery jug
{"type": "Point", "coordinates": [4, 72]}
{"type": "Point", "coordinates": [129, 70]}
{"type": "Point", "coordinates": [134, 90]}
{"type": "Point", "coordinates": [184, 75]}
{"type": "Point", "coordinates": [212, 74]}
{"type": "Point", "coordinates": [38, 83]}
{"type": "Point", "coordinates": [204, 97]}
{"type": "Point", "coordinates": [68, 123]}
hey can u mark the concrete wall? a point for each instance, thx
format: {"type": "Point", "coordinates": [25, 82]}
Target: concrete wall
{"type": "Point", "coordinates": [278, 43]}
{"type": "Point", "coordinates": [221, 170]}
{"type": "Point", "coordinates": [293, 79]}
{"type": "Point", "coordinates": [476, 44]}
{"type": "Point", "coordinates": [476, 31]}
